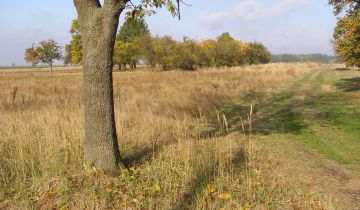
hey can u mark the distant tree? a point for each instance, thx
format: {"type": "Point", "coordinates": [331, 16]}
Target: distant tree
{"type": "Point", "coordinates": [258, 54]}
{"type": "Point", "coordinates": [134, 35]}
{"type": "Point", "coordinates": [147, 50]}
{"type": "Point", "coordinates": [165, 50]}
{"type": "Point", "coordinates": [126, 53]}
{"type": "Point", "coordinates": [74, 50]}
{"type": "Point", "coordinates": [227, 51]}
{"type": "Point", "coordinates": [244, 53]}
{"type": "Point", "coordinates": [132, 29]}
{"type": "Point", "coordinates": [187, 54]}
{"type": "Point", "coordinates": [32, 55]}
{"type": "Point", "coordinates": [67, 57]}
{"type": "Point", "coordinates": [46, 52]}
{"type": "Point", "coordinates": [120, 54]}
{"type": "Point", "coordinates": [208, 53]}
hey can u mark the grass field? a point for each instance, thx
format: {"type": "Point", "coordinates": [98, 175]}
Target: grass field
{"type": "Point", "coordinates": [276, 136]}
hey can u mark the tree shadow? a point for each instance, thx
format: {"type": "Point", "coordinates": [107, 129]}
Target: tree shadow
{"type": "Point", "coordinates": [145, 154]}
{"type": "Point", "coordinates": [349, 84]}
{"type": "Point", "coordinates": [279, 114]}
{"type": "Point", "coordinates": [231, 116]}
{"type": "Point", "coordinates": [196, 186]}
{"type": "Point", "coordinates": [342, 69]}
{"type": "Point", "coordinates": [202, 179]}
{"type": "Point", "coordinates": [284, 121]}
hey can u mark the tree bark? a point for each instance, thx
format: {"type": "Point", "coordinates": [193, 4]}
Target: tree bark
{"type": "Point", "coordinates": [98, 27]}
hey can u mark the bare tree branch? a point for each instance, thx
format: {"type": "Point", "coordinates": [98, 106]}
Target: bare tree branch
{"type": "Point", "coordinates": [178, 9]}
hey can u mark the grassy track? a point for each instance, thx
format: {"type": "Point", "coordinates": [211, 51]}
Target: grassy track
{"type": "Point", "coordinates": [315, 126]}
{"type": "Point", "coordinates": [322, 110]}
{"type": "Point", "coordinates": [313, 130]}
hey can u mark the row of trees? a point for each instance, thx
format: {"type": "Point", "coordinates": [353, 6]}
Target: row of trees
{"type": "Point", "coordinates": [135, 44]}
{"type": "Point", "coordinates": [320, 58]}
{"type": "Point", "coordinates": [347, 32]}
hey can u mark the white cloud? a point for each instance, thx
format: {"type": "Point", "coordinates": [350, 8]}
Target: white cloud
{"type": "Point", "coordinates": [285, 7]}
{"type": "Point", "coordinates": [249, 10]}
{"type": "Point", "coordinates": [246, 10]}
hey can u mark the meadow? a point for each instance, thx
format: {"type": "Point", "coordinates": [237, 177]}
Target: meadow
{"type": "Point", "coordinates": [274, 136]}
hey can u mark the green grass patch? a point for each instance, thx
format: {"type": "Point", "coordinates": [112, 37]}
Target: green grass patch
{"type": "Point", "coordinates": [320, 144]}
{"type": "Point", "coordinates": [328, 122]}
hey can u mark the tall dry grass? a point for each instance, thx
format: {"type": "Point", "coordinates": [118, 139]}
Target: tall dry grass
{"type": "Point", "coordinates": [175, 139]}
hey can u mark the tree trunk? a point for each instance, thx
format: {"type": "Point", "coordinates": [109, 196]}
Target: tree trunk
{"type": "Point", "coordinates": [98, 28]}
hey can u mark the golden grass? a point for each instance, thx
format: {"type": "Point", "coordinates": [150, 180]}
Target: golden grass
{"type": "Point", "coordinates": [164, 121]}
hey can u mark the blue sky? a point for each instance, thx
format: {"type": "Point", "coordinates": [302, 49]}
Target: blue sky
{"type": "Point", "coordinates": [284, 26]}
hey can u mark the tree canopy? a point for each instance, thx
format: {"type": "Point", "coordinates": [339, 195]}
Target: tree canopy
{"type": "Point", "coordinates": [189, 54]}
{"type": "Point", "coordinates": [45, 52]}
{"type": "Point", "coordinates": [347, 31]}
{"type": "Point", "coordinates": [257, 54]}
{"type": "Point", "coordinates": [347, 39]}
{"type": "Point", "coordinates": [132, 29]}
{"type": "Point", "coordinates": [348, 6]}
{"type": "Point", "coordinates": [227, 50]}
{"type": "Point", "coordinates": [131, 43]}
{"type": "Point", "coordinates": [74, 50]}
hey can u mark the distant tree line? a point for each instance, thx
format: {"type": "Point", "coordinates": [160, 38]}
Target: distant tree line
{"type": "Point", "coordinates": [320, 58]}
{"type": "Point", "coordinates": [134, 44]}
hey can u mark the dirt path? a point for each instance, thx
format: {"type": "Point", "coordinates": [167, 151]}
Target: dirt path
{"type": "Point", "coordinates": [312, 128]}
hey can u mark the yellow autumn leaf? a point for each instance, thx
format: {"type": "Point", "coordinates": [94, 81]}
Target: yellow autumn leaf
{"type": "Point", "coordinates": [156, 188]}
{"type": "Point", "coordinates": [210, 188]}
{"type": "Point", "coordinates": [224, 196]}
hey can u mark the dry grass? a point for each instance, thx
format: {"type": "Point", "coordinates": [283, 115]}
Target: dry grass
{"type": "Point", "coordinates": [177, 143]}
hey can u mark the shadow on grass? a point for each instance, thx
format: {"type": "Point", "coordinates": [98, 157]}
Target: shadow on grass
{"type": "Point", "coordinates": [349, 84]}
{"type": "Point", "coordinates": [342, 69]}
{"type": "Point", "coordinates": [279, 114]}
{"type": "Point", "coordinates": [200, 182]}
{"type": "Point", "coordinates": [283, 120]}
{"type": "Point", "coordinates": [145, 154]}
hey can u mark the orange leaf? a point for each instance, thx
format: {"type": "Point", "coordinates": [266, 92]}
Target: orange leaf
{"type": "Point", "coordinates": [224, 196]}
{"type": "Point", "coordinates": [210, 188]}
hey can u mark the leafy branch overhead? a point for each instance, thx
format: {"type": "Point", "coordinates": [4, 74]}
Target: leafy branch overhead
{"type": "Point", "coordinates": [348, 6]}
{"type": "Point", "coordinates": [133, 10]}
{"type": "Point", "coordinates": [146, 7]}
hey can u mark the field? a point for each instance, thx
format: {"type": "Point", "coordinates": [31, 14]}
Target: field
{"type": "Point", "coordinates": [275, 136]}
